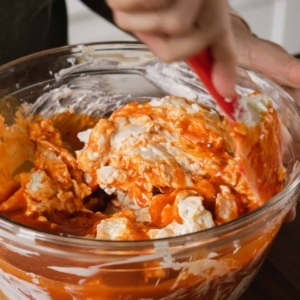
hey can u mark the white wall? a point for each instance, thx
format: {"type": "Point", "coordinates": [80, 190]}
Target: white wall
{"type": "Point", "coordinates": [276, 20]}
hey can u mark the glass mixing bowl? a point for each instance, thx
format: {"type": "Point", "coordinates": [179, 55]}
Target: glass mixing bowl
{"type": "Point", "coordinates": [218, 263]}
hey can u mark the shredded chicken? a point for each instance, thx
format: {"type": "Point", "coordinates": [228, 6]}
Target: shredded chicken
{"type": "Point", "coordinates": [160, 169]}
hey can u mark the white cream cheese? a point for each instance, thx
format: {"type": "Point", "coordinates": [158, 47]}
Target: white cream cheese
{"type": "Point", "coordinates": [250, 108]}
{"type": "Point", "coordinates": [194, 218]}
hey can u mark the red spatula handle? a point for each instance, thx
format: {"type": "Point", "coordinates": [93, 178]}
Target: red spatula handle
{"type": "Point", "coordinates": [201, 64]}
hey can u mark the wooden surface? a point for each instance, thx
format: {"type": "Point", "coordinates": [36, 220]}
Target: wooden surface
{"type": "Point", "coordinates": [279, 277]}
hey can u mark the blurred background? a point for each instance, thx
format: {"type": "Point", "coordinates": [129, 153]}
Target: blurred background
{"type": "Point", "coordinates": [275, 20]}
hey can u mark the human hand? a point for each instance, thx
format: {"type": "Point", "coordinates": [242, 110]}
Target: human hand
{"type": "Point", "coordinates": [177, 29]}
{"type": "Point", "coordinates": [267, 58]}
{"type": "Point", "coordinates": [271, 60]}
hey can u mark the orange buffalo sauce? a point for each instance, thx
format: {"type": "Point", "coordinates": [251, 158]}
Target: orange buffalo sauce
{"type": "Point", "coordinates": [150, 170]}
{"type": "Point", "coordinates": [156, 169]}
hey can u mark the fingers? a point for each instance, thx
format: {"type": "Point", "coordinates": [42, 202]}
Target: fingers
{"type": "Point", "coordinates": [178, 29]}
{"type": "Point", "coordinates": [168, 25]}
{"type": "Point", "coordinates": [171, 18]}
{"type": "Point", "coordinates": [140, 5]}
{"type": "Point", "coordinates": [224, 68]}
{"type": "Point", "coordinates": [174, 48]}
{"type": "Point", "coordinates": [174, 31]}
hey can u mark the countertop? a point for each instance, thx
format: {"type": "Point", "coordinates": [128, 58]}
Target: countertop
{"type": "Point", "coordinates": [279, 277]}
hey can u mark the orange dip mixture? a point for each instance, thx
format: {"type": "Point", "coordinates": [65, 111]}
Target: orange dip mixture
{"type": "Point", "coordinates": [151, 170]}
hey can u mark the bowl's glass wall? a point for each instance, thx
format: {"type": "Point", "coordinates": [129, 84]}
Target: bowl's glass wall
{"type": "Point", "coordinates": [215, 264]}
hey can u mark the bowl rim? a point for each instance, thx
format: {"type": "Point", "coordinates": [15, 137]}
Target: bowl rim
{"type": "Point", "coordinates": [75, 48]}
{"type": "Point", "coordinates": [218, 232]}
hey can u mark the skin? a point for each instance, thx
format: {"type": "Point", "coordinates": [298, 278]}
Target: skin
{"type": "Point", "coordinates": [177, 29]}
{"type": "Point", "coordinates": [265, 57]}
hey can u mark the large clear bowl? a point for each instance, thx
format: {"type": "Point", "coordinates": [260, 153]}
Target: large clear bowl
{"type": "Point", "coordinates": [218, 263]}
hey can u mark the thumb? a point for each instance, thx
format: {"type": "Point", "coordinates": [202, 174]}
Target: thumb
{"type": "Point", "coordinates": [272, 61]}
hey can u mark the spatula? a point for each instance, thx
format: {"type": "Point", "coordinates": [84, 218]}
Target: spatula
{"type": "Point", "coordinates": [201, 64]}
{"type": "Point", "coordinates": [257, 148]}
